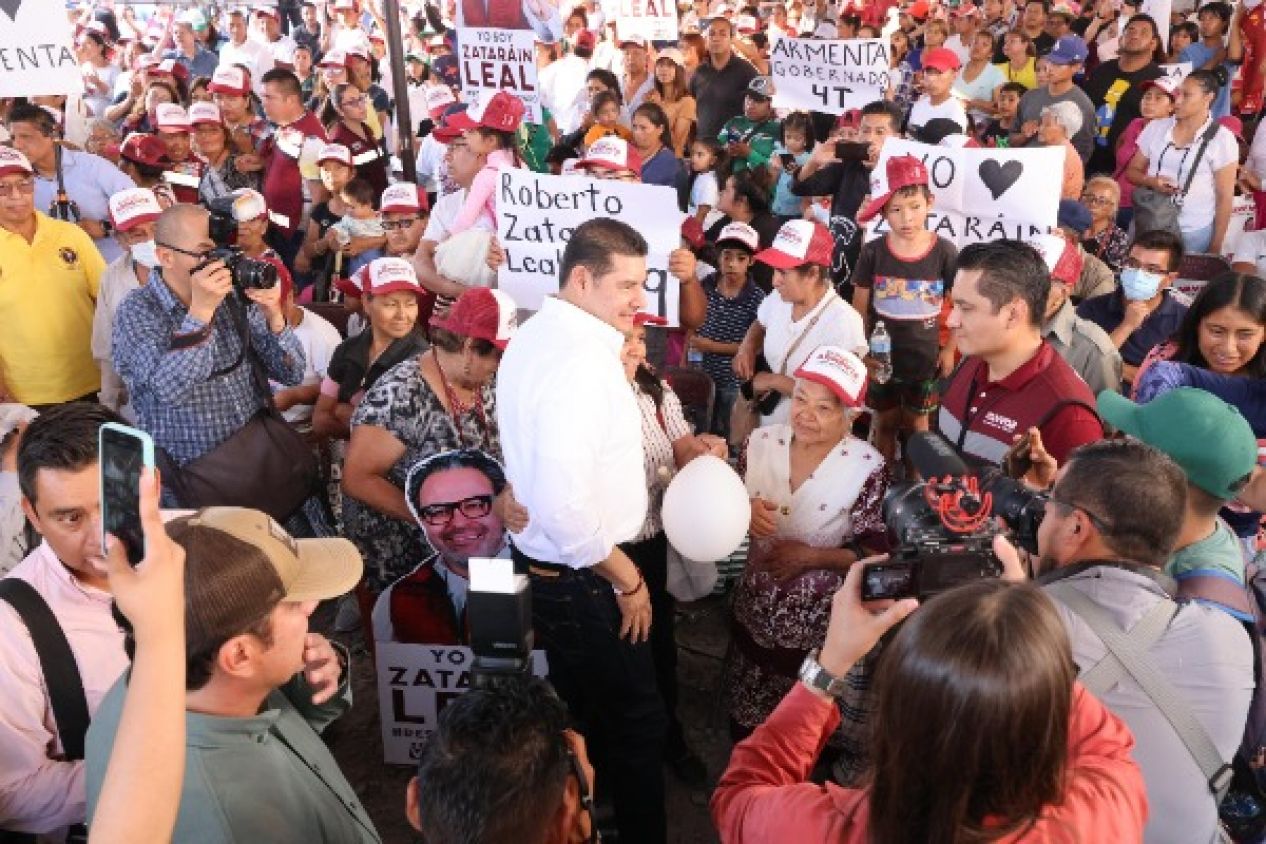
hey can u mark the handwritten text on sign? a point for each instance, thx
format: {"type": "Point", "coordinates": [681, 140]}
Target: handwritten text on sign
{"type": "Point", "coordinates": [36, 53]}
{"type": "Point", "coordinates": [415, 683]}
{"type": "Point", "coordinates": [654, 20]}
{"type": "Point", "coordinates": [501, 59]}
{"type": "Point", "coordinates": [981, 195]}
{"type": "Point", "coordinates": [829, 76]}
{"type": "Point", "coordinates": [537, 213]}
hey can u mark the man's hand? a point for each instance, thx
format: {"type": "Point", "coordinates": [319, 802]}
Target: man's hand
{"type": "Point", "coordinates": [1136, 313]}
{"type": "Point", "coordinates": [209, 287]}
{"type": "Point", "coordinates": [1041, 473]}
{"type": "Point", "coordinates": [823, 154]}
{"type": "Point", "coordinates": [152, 595]}
{"type": "Point", "coordinates": [1029, 128]}
{"type": "Point", "coordinates": [508, 509]}
{"type": "Point", "coordinates": [855, 628]}
{"type": "Point", "coordinates": [269, 301]}
{"type": "Point", "coordinates": [635, 614]}
{"type": "Point", "coordinates": [1012, 562]}
{"type": "Point", "coordinates": [764, 518]}
{"type": "Point", "coordinates": [682, 264]}
{"type": "Point", "coordinates": [321, 668]}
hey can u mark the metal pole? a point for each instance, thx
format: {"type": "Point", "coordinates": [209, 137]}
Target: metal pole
{"type": "Point", "coordinates": [400, 84]}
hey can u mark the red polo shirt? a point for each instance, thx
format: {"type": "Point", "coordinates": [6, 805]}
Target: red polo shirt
{"type": "Point", "coordinates": [983, 417]}
{"type": "Point", "coordinates": [284, 187]}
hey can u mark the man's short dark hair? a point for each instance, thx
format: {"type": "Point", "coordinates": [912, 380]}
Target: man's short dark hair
{"type": "Point", "coordinates": [1222, 10]}
{"type": "Point", "coordinates": [1162, 240]}
{"type": "Point", "coordinates": [1045, 4]}
{"type": "Point", "coordinates": [883, 107]}
{"type": "Point", "coordinates": [495, 768]}
{"type": "Point", "coordinates": [1135, 494]}
{"type": "Point", "coordinates": [1009, 270]}
{"type": "Point", "coordinates": [728, 24]}
{"type": "Point", "coordinates": [462, 458]}
{"type": "Point", "coordinates": [594, 243]}
{"type": "Point", "coordinates": [285, 80]}
{"type": "Point", "coordinates": [29, 113]}
{"type": "Point", "coordinates": [62, 438]}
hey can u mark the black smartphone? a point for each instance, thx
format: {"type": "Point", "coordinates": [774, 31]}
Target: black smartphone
{"type": "Point", "coordinates": [788, 160]}
{"type": "Point", "coordinates": [124, 453]}
{"type": "Point", "coordinates": [852, 151]}
{"type": "Point", "coordinates": [884, 581]}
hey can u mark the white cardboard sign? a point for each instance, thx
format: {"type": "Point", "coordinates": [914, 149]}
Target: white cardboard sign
{"type": "Point", "coordinates": [37, 56]}
{"type": "Point", "coordinates": [537, 213]}
{"type": "Point", "coordinates": [981, 195]}
{"type": "Point", "coordinates": [654, 20]}
{"type": "Point", "coordinates": [828, 76]}
{"type": "Point", "coordinates": [500, 60]}
{"type": "Point", "coordinates": [415, 683]}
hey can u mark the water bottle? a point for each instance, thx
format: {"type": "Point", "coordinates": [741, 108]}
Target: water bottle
{"type": "Point", "coordinates": [881, 354]}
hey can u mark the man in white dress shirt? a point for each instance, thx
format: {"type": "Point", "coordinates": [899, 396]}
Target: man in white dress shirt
{"type": "Point", "coordinates": [571, 436]}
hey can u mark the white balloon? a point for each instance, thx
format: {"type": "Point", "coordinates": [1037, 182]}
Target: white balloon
{"type": "Point", "coordinates": [706, 510]}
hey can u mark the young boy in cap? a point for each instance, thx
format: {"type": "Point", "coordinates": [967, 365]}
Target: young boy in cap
{"type": "Point", "coordinates": [749, 139]}
{"type": "Point", "coordinates": [733, 299]}
{"type": "Point", "coordinates": [904, 279]}
{"type": "Point", "coordinates": [940, 69]}
{"type": "Point", "coordinates": [1216, 449]}
{"type": "Point", "coordinates": [1065, 61]}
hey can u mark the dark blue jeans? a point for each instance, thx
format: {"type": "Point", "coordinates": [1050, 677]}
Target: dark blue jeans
{"type": "Point", "coordinates": [609, 687]}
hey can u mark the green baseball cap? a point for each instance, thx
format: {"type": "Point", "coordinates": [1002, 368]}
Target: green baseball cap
{"type": "Point", "coordinates": [1205, 436]}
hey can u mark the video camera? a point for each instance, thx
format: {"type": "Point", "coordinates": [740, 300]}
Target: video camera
{"type": "Point", "coordinates": [247, 273]}
{"type": "Point", "coordinates": [499, 610]}
{"type": "Point", "coordinates": [944, 525]}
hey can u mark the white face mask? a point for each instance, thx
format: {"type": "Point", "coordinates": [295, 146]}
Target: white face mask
{"type": "Point", "coordinates": [145, 253]}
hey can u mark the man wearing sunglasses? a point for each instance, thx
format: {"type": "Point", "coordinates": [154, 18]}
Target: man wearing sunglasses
{"type": "Point", "coordinates": [1113, 519]}
{"type": "Point", "coordinates": [450, 496]}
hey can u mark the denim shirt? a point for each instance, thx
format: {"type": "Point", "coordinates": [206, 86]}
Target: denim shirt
{"type": "Point", "coordinates": [175, 372]}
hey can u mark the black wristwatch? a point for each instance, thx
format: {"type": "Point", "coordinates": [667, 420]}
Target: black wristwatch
{"type": "Point", "coordinates": [812, 673]}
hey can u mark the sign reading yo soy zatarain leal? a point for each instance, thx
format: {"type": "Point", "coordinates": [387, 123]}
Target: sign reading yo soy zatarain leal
{"type": "Point", "coordinates": [500, 60]}
{"type": "Point", "coordinates": [36, 55]}
{"type": "Point", "coordinates": [537, 213]}
{"type": "Point", "coordinates": [829, 76]}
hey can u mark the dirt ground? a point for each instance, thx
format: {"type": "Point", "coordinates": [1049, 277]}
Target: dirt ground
{"type": "Point", "coordinates": [702, 636]}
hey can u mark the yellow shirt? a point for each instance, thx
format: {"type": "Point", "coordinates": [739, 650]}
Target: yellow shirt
{"type": "Point", "coordinates": [48, 293]}
{"type": "Point", "coordinates": [1026, 77]}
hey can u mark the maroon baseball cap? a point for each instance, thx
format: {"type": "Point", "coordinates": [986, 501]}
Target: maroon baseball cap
{"type": "Point", "coordinates": [482, 314]}
{"type": "Point", "coordinates": [497, 110]}
{"type": "Point", "coordinates": [147, 150]}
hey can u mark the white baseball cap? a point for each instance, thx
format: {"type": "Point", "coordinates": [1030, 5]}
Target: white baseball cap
{"type": "Point", "coordinates": [611, 153]}
{"type": "Point", "coordinates": [12, 161]}
{"type": "Point", "coordinates": [170, 117]}
{"type": "Point", "coordinates": [203, 113]}
{"type": "Point", "coordinates": [249, 204]}
{"type": "Point", "coordinates": [335, 152]}
{"type": "Point", "coordinates": [839, 370]}
{"type": "Point", "coordinates": [438, 98]}
{"type": "Point", "coordinates": [229, 79]}
{"type": "Point", "coordinates": [132, 207]}
{"type": "Point", "coordinates": [740, 233]}
{"type": "Point", "coordinates": [388, 275]}
{"type": "Point", "coordinates": [402, 197]}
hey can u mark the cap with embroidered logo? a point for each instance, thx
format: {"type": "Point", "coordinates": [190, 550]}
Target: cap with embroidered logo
{"type": "Point", "coordinates": [481, 313]}
{"type": "Point", "coordinates": [170, 117]}
{"type": "Point", "coordinates": [799, 242]}
{"type": "Point", "coordinates": [839, 370]}
{"type": "Point", "coordinates": [132, 207]}
{"type": "Point", "coordinates": [228, 79]}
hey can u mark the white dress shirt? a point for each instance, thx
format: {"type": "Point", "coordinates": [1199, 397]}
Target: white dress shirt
{"type": "Point", "coordinates": [38, 791]}
{"type": "Point", "coordinates": [571, 434]}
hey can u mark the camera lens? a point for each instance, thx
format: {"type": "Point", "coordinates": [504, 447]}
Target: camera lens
{"type": "Point", "coordinates": [250, 274]}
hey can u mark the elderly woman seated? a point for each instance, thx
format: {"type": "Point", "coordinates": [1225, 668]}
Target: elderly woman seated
{"type": "Point", "coordinates": [817, 496]}
{"type": "Point", "coordinates": [1060, 122]}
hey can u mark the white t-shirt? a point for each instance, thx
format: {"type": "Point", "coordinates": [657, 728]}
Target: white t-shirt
{"type": "Point", "coordinates": [251, 54]}
{"type": "Point", "coordinates": [956, 46]}
{"type": "Point", "coordinates": [561, 84]}
{"type": "Point", "coordinates": [705, 191]}
{"type": "Point", "coordinates": [840, 325]}
{"type": "Point", "coordinates": [440, 224]}
{"type": "Point", "coordinates": [1156, 143]}
{"type": "Point", "coordinates": [1252, 250]}
{"type": "Point", "coordinates": [319, 338]}
{"type": "Point", "coordinates": [952, 109]}
{"type": "Point", "coordinates": [430, 163]}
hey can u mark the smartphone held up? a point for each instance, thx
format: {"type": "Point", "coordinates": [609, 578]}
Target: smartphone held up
{"type": "Point", "coordinates": [125, 453]}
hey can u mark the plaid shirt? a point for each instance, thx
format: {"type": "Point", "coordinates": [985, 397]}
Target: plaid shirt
{"type": "Point", "coordinates": [168, 360]}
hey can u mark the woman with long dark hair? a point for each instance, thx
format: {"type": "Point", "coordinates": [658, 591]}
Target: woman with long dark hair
{"type": "Point", "coordinates": [653, 142]}
{"type": "Point", "coordinates": [980, 733]}
{"type": "Point", "coordinates": [672, 95]}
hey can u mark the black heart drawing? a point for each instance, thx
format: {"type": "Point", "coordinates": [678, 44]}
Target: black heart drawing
{"type": "Point", "coordinates": [10, 8]}
{"type": "Point", "coordinates": [997, 177]}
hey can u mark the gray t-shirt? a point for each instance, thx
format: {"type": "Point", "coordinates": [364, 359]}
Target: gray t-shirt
{"type": "Point", "coordinates": [1032, 103]}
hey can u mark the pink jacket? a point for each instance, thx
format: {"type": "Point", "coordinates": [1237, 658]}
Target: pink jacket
{"type": "Point", "coordinates": [480, 205]}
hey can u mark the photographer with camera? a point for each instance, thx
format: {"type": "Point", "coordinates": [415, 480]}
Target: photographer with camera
{"type": "Point", "coordinates": [1010, 379]}
{"type": "Point", "coordinates": [193, 345]}
{"type": "Point", "coordinates": [981, 733]}
{"type": "Point", "coordinates": [1112, 521]}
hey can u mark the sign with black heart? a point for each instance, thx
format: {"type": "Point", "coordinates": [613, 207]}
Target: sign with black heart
{"type": "Point", "coordinates": [36, 50]}
{"type": "Point", "coordinates": [980, 194]}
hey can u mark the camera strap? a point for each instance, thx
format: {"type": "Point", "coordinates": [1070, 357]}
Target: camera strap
{"type": "Point", "coordinates": [61, 179]}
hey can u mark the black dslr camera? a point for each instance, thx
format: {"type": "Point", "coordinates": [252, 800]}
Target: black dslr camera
{"type": "Point", "coordinates": [944, 525]}
{"type": "Point", "coordinates": [501, 635]}
{"type": "Point", "coordinates": [247, 273]}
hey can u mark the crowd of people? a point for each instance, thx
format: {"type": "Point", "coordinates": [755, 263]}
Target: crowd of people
{"type": "Point", "coordinates": [216, 242]}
